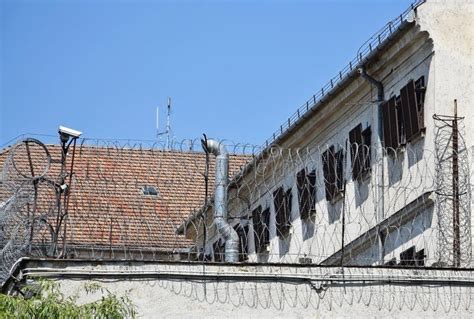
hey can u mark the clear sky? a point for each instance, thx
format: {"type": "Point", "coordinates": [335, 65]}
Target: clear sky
{"type": "Point", "coordinates": [234, 69]}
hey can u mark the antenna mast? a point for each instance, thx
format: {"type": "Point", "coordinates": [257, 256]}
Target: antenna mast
{"type": "Point", "coordinates": [168, 125]}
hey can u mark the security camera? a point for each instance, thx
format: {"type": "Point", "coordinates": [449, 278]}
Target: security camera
{"type": "Point", "coordinates": [69, 132]}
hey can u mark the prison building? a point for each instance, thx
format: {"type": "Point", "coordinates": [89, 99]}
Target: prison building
{"type": "Point", "coordinates": [372, 169]}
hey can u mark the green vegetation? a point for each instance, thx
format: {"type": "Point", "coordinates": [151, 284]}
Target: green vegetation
{"type": "Point", "coordinates": [43, 300]}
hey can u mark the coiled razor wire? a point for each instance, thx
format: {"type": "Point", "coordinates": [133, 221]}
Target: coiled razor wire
{"type": "Point", "coordinates": [112, 217]}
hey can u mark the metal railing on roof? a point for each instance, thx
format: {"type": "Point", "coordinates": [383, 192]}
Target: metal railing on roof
{"type": "Point", "coordinates": [367, 48]}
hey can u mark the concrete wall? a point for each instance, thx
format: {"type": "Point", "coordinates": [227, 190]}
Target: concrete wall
{"type": "Point", "coordinates": [166, 290]}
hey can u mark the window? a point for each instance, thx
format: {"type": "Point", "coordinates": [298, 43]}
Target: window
{"type": "Point", "coordinates": [149, 190]}
{"type": "Point", "coordinates": [410, 117]}
{"type": "Point", "coordinates": [410, 257]}
{"type": "Point", "coordinates": [333, 171]}
{"type": "Point", "coordinates": [242, 231]}
{"type": "Point", "coordinates": [420, 258]}
{"type": "Point", "coordinates": [420, 90]}
{"type": "Point", "coordinates": [403, 116]}
{"type": "Point", "coordinates": [219, 251]}
{"type": "Point", "coordinates": [407, 258]}
{"type": "Point", "coordinates": [306, 184]}
{"type": "Point", "coordinates": [391, 262]}
{"type": "Point", "coordinates": [360, 150]}
{"type": "Point", "coordinates": [282, 201]}
{"type": "Point", "coordinates": [261, 228]}
{"type": "Point", "coordinates": [391, 128]}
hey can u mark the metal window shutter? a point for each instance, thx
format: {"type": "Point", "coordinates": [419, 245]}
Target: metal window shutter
{"type": "Point", "coordinates": [257, 228]}
{"type": "Point", "coordinates": [328, 172]}
{"type": "Point", "coordinates": [266, 229]}
{"type": "Point", "coordinates": [301, 183]}
{"type": "Point", "coordinates": [339, 178]}
{"type": "Point", "coordinates": [410, 110]}
{"type": "Point", "coordinates": [279, 202]}
{"type": "Point", "coordinates": [390, 124]}
{"type": "Point", "coordinates": [312, 189]}
{"type": "Point", "coordinates": [357, 153]}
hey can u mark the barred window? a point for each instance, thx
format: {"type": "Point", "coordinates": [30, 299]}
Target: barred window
{"type": "Point", "coordinates": [360, 141]}
{"type": "Point", "coordinates": [282, 202]}
{"type": "Point", "coordinates": [333, 171]}
{"type": "Point", "coordinates": [261, 228]}
{"type": "Point", "coordinates": [403, 116]}
{"type": "Point", "coordinates": [242, 232]}
{"type": "Point", "coordinates": [411, 257]}
{"type": "Point", "coordinates": [306, 184]}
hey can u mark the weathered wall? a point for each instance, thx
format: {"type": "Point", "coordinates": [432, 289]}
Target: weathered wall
{"type": "Point", "coordinates": [269, 291]}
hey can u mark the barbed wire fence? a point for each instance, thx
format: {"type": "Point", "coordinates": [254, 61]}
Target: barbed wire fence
{"type": "Point", "coordinates": [141, 201]}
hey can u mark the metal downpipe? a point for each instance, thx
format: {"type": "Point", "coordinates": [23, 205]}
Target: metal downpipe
{"type": "Point", "coordinates": [220, 199]}
{"type": "Point", "coordinates": [379, 182]}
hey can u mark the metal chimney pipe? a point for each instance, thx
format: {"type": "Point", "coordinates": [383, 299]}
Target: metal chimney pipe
{"type": "Point", "coordinates": [220, 199]}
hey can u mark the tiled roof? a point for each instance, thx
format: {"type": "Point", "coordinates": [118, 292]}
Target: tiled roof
{"type": "Point", "coordinates": [107, 207]}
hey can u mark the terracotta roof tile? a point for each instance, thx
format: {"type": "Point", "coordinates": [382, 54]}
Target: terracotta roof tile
{"type": "Point", "coordinates": [106, 205]}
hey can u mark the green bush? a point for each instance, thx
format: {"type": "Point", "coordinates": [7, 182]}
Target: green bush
{"type": "Point", "coordinates": [43, 300]}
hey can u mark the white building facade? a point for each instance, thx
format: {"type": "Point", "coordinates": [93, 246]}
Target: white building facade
{"type": "Point", "coordinates": [367, 172]}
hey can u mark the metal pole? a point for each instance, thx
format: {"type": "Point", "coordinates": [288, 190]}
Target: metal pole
{"type": "Point", "coordinates": [35, 185]}
{"type": "Point", "coordinates": [456, 241]}
{"type": "Point", "coordinates": [67, 194]}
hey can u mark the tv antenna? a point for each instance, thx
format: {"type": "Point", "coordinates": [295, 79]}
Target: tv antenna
{"type": "Point", "coordinates": [167, 131]}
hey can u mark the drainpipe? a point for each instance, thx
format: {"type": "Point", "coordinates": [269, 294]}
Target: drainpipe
{"type": "Point", "coordinates": [220, 199]}
{"type": "Point", "coordinates": [379, 166]}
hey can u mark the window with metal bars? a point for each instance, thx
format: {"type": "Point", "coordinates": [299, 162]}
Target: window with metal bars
{"type": "Point", "coordinates": [411, 257]}
{"type": "Point", "coordinates": [282, 202]}
{"type": "Point", "coordinates": [306, 184]}
{"type": "Point", "coordinates": [360, 141]}
{"type": "Point", "coordinates": [333, 171]}
{"type": "Point", "coordinates": [403, 116]}
{"type": "Point", "coordinates": [261, 228]}
{"type": "Point", "coordinates": [219, 251]}
{"type": "Point", "coordinates": [242, 232]}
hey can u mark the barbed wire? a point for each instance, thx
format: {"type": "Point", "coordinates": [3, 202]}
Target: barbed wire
{"type": "Point", "coordinates": [315, 205]}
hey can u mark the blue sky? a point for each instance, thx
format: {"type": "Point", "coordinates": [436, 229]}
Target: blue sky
{"type": "Point", "coordinates": [235, 69]}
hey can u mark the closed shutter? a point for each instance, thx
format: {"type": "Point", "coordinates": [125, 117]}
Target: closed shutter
{"type": "Point", "coordinates": [357, 152]}
{"type": "Point", "coordinates": [367, 142]}
{"type": "Point", "coordinates": [306, 184]}
{"type": "Point", "coordinates": [288, 207]}
{"type": "Point", "coordinates": [242, 232]}
{"type": "Point", "coordinates": [303, 200]}
{"type": "Point", "coordinates": [329, 172]}
{"type": "Point", "coordinates": [410, 110]}
{"type": "Point", "coordinates": [390, 124]}
{"type": "Point", "coordinates": [312, 192]}
{"type": "Point", "coordinates": [279, 203]}
{"type": "Point", "coordinates": [339, 157]}
{"type": "Point", "coordinates": [265, 237]}
{"type": "Point", "coordinates": [258, 228]}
